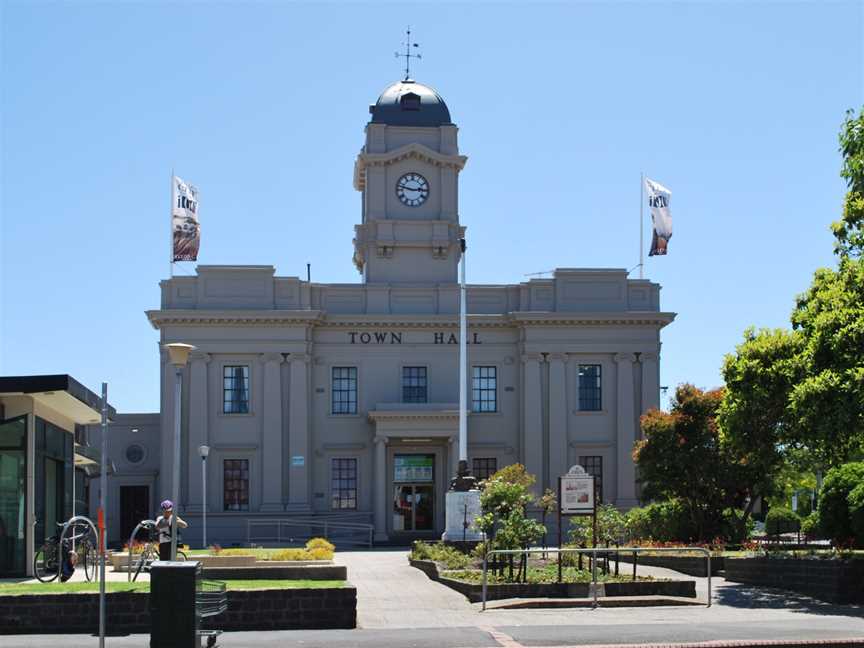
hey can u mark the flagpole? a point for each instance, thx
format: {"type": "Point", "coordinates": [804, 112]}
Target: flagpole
{"type": "Point", "coordinates": [641, 225]}
{"type": "Point", "coordinates": [171, 226]}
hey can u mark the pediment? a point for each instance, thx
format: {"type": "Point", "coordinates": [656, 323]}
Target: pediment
{"type": "Point", "coordinates": [409, 151]}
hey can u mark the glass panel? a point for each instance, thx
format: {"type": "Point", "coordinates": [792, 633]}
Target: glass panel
{"type": "Point", "coordinates": [13, 481]}
{"type": "Point", "coordinates": [414, 468]}
{"type": "Point", "coordinates": [403, 520]}
{"type": "Point", "coordinates": [424, 509]}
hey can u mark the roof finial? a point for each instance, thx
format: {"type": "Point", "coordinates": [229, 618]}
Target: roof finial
{"type": "Point", "coordinates": [408, 55]}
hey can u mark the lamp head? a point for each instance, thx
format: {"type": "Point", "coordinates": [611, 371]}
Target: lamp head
{"type": "Point", "coordinates": [203, 451]}
{"type": "Point", "coordinates": [178, 353]}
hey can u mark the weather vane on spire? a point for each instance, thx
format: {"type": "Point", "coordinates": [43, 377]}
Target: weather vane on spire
{"type": "Point", "coordinates": [408, 55]}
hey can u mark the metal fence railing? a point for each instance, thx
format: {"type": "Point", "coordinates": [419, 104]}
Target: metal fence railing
{"type": "Point", "coordinates": [594, 553]}
{"type": "Point", "coordinates": [297, 530]}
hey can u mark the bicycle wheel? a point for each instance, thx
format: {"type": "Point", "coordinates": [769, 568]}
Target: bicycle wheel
{"type": "Point", "coordinates": [142, 560]}
{"type": "Point", "coordinates": [181, 557]}
{"type": "Point", "coordinates": [45, 563]}
{"type": "Point", "coordinates": [90, 561]}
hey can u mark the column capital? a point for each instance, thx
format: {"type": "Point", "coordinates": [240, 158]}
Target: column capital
{"type": "Point", "coordinates": [273, 357]}
{"type": "Point", "coordinates": [379, 438]}
{"type": "Point", "coordinates": [299, 357]}
{"type": "Point", "coordinates": [624, 357]}
{"type": "Point", "coordinates": [649, 356]}
{"type": "Point", "coordinates": [531, 357]}
{"type": "Point", "coordinates": [200, 356]}
{"type": "Point", "coordinates": [453, 439]}
{"type": "Point", "coordinates": [559, 357]}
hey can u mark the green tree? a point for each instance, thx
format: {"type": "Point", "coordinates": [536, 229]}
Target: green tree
{"type": "Point", "coordinates": [683, 457]}
{"type": "Point", "coordinates": [835, 516]}
{"type": "Point", "coordinates": [828, 403]}
{"type": "Point", "coordinates": [754, 415]}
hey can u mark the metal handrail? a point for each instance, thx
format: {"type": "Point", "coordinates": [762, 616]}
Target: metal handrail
{"type": "Point", "coordinates": [328, 525]}
{"type": "Point", "coordinates": [594, 551]}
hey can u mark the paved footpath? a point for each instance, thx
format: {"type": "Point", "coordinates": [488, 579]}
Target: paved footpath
{"type": "Point", "coordinates": [398, 606]}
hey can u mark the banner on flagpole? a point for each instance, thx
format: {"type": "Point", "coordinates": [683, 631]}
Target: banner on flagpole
{"type": "Point", "coordinates": [184, 221]}
{"type": "Point", "coordinates": [659, 198]}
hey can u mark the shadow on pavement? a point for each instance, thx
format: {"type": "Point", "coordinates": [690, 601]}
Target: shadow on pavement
{"type": "Point", "coordinates": [748, 596]}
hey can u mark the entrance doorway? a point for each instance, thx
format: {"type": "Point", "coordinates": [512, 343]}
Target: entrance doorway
{"type": "Point", "coordinates": [13, 491]}
{"type": "Point", "coordinates": [414, 493]}
{"type": "Point", "coordinates": [134, 507]}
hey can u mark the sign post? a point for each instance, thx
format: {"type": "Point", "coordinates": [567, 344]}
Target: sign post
{"type": "Point", "coordinates": [575, 497]}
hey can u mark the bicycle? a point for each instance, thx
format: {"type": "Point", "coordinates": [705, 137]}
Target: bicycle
{"type": "Point", "coordinates": [150, 550]}
{"type": "Point", "coordinates": [48, 561]}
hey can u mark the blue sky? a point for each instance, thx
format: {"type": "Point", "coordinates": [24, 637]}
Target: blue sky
{"type": "Point", "coordinates": [733, 106]}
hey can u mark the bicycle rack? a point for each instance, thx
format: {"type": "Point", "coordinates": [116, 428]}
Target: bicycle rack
{"type": "Point", "coordinates": [139, 526]}
{"type": "Point", "coordinates": [74, 521]}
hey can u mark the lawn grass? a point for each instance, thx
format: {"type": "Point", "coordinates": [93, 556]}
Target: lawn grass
{"type": "Point", "coordinates": [123, 586]}
{"type": "Point", "coordinates": [545, 574]}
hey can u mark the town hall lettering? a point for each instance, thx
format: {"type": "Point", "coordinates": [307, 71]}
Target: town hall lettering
{"type": "Point", "coordinates": [390, 337]}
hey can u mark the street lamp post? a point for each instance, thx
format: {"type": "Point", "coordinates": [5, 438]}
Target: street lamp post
{"type": "Point", "coordinates": [178, 354]}
{"type": "Point", "coordinates": [204, 451]}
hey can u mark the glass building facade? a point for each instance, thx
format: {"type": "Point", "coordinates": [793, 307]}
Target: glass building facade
{"type": "Point", "coordinates": [13, 496]}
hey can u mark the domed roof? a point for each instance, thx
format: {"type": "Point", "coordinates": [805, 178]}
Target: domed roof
{"type": "Point", "coordinates": [408, 103]}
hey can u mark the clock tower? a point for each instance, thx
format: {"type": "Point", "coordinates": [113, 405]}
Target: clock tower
{"type": "Point", "coordinates": [408, 176]}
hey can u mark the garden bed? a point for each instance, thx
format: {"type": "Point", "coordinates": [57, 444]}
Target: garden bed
{"type": "Point", "coordinates": [468, 583]}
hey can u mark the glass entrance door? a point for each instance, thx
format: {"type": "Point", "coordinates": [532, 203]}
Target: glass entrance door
{"type": "Point", "coordinates": [414, 508]}
{"type": "Point", "coordinates": [413, 492]}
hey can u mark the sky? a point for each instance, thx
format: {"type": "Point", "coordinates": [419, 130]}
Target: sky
{"type": "Point", "coordinates": [734, 106]}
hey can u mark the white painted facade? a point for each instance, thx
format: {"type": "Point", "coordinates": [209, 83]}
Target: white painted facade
{"type": "Point", "coordinates": [292, 335]}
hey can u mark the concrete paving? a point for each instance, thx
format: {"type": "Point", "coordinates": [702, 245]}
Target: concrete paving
{"type": "Point", "coordinates": [399, 606]}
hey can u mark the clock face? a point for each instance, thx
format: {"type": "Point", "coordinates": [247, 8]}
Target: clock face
{"type": "Point", "coordinates": [412, 189]}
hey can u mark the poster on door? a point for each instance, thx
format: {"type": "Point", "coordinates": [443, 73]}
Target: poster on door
{"type": "Point", "coordinates": [413, 468]}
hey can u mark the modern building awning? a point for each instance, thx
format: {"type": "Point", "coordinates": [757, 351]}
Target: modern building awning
{"type": "Point", "coordinates": [88, 459]}
{"type": "Point", "coordinates": [60, 392]}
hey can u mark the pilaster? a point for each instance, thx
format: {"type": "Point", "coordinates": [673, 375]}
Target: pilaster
{"type": "Point", "coordinates": [198, 426]}
{"type": "Point", "coordinates": [532, 417]}
{"type": "Point", "coordinates": [379, 489]}
{"type": "Point", "coordinates": [650, 381]}
{"type": "Point", "coordinates": [626, 433]}
{"type": "Point", "coordinates": [271, 433]}
{"type": "Point", "coordinates": [298, 434]}
{"type": "Point", "coordinates": [558, 449]}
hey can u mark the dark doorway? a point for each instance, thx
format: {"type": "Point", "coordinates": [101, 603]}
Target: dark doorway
{"type": "Point", "coordinates": [134, 507]}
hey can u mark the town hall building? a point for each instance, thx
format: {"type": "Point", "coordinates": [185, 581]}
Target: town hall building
{"type": "Point", "coordinates": [339, 401]}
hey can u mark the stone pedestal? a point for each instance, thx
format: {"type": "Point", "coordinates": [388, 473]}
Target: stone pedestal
{"type": "Point", "coordinates": [456, 502]}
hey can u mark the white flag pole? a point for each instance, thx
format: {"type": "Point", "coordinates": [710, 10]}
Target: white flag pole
{"type": "Point", "coordinates": [171, 225]}
{"type": "Point", "coordinates": [641, 225]}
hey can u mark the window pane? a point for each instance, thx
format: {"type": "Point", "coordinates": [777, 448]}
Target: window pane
{"type": "Point", "coordinates": [590, 399]}
{"type": "Point", "coordinates": [484, 467]}
{"type": "Point", "coordinates": [343, 483]}
{"type": "Point", "coordinates": [235, 484]}
{"type": "Point", "coordinates": [235, 389]}
{"type": "Point", "coordinates": [484, 389]}
{"type": "Point", "coordinates": [593, 465]}
{"type": "Point", "coordinates": [344, 390]}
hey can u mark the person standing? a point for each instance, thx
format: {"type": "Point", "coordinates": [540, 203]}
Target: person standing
{"type": "Point", "coordinates": [163, 528]}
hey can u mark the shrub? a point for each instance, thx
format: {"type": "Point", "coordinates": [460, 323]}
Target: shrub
{"type": "Point", "coordinates": [810, 525]}
{"type": "Point", "coordinates": [835, 517]}
{"type": "Point", "coordinates": [611, 526]}
{"type": "Point", "coordinates": [856, 513]}
{"type": "Point", "coordinates": [234, 551]}
{"type": "Point", "coordinates": [320, 553]}
{"type": "Point", "coordinates": [291, 554]}
{"type": "Point", "coordinates": [449, 556]}
{"type": "Point", "coordinates": [781, 520]}
{"type": "Point", "coordinates": [321, 543]}
{"type": "Point", "coordinates": [662, 521]}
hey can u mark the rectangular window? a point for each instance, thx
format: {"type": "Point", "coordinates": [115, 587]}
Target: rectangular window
{"type": "Point", "coordinates": [484, 389]}
{"type": "Point", "coordinates": [235, 389]}
{"type": "Point", "coordinates": [344, 390]}
{"type": "Point", "coordinates": [413, 384]}
{"type": "Point", "coordinates": [235, 484]}
{"type": "Point", "coordinates": [343, 483]}
{"type": "Point", "coordinates": [589, 388]}
{"type": "Point", "coordinates": [593, 465]}
{"type": "Point", "coordinates": [484, 467]}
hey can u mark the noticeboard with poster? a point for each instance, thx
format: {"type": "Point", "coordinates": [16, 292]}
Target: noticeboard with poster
{"type": "Point", "coordinates": [577, 494]}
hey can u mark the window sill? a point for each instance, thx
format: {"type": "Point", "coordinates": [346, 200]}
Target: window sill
{"type": "Point", "coordinates": [236, 414]}
{"type": "Point", "coordinates": [590, 412]}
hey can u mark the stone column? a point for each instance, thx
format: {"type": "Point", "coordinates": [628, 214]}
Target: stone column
{"type": "Point", "coordinates": [626, 470]}
{"type": "Point", "coordinates": [198, 413]}
{"type": "Point", "coordinates": [298, 434]}
{"type": "Point", "coordinates": [558, 449]}
{"type": "Point", "coordinates": [532, 418]}
{"type": "Point", "coordinates": [650, 382]}
{"type": "Point", "coordinates": [271, 433]}
{"type": "Point", "coordinates": [379, 489]}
